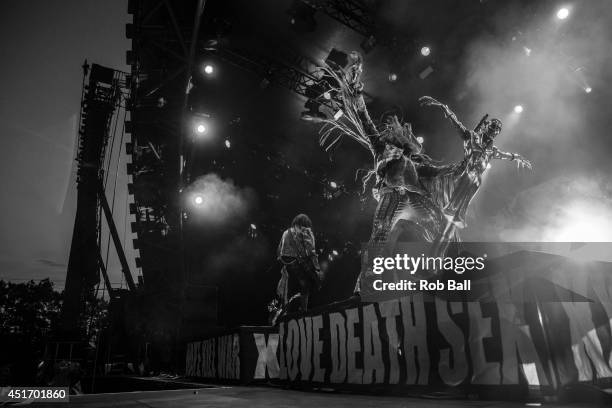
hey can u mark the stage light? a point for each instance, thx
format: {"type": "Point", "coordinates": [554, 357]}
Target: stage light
{"type": "Point", "coordinates": [333, 184]}
{"type": "Point", "coordinates": [588, 89]}
{"type": "Point", "coordinates": [334, 252]}
{"type": "Point", "coordinates": [228, 144]}
{"type": "Point", "coordinates": [198, 200]}
{"type": "Point", "coordinates": [392, 77]}
{"type": "Point", "coordinates": [338, 114]}
{"type": "Point", "coordinates": [208, 69]}
{"type": "Point", "coordinates": [200, 128]}
{"type": "Point", "coordinates": [563, 13]}
{"type": "Point", "coordinates": [518, 109]}
{"type": "Point", "coordinates": [420, 139]}
{"type": "Point", "coordinates": [425, 51]}
{"type": "Point", "coordinates": [583, 221]}
{"type": "Point", "coordinates": [252, 231]}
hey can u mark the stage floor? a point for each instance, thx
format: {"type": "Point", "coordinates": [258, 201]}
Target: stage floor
{"type": "Point", "coordinates": [266, 397]}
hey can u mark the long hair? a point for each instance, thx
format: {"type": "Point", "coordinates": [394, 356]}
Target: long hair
{"type": "Point", "coordinates": [301, 220]}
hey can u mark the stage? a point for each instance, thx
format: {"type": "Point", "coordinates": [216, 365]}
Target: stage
{"type": "Point", "coordinates": [254, 397]}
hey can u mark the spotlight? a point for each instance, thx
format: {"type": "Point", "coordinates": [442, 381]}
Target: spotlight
{"type": "Point", "coordinates": [563, 13]}
{"type": "Point", "coordinates": [392, 77]}
{"type": "Point", "coordinates": [252, 231]}
{"type": "Point", "coordinates": [420, 139]}
{"type": "Point", "coordinates": [200, 123]}
{"type": "Point", "coordinates": [201, 128]}
{"type": "Point", "coordinates": [208, 69]}
{"type": "Point", "coordinates": [338, 114]}
{"type": "Point", "coordinates": [588, 89]}
{"type": "Point", "coordinates": [425, 51]}
{"type": "Point", "coordinates": [228, 144]}
{"type": "Point", "coordinates": [334, 252]}
{"type": "Point", "coordinates": [198, 200]}
{"type": "Point", "coordinates": [518, 109]}
{"type": "Point", "coordinates": [332, 190]}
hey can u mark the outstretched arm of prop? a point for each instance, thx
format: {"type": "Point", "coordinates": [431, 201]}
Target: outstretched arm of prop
{"type": "Point", "coordinates": [429, 101]}
{"type": "Point", "coordinates": [520, 160]}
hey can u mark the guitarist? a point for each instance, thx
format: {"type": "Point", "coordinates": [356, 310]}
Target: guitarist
{"type": "Point", "coordinates": [301, 272]}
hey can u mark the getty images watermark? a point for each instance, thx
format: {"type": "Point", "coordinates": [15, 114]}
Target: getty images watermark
{"type": "Point", "coordinates": [411, 267]}
{"type": "Point", "coordinates": [419, 265]}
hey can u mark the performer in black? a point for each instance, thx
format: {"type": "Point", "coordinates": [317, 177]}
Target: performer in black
{"type": "Point", "coordinates": [478, 150]}
{"type": "Point", "coordinates": [301, 272]}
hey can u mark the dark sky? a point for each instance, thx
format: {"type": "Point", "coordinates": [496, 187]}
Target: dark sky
{"type": "Point", "coordinates": [43, 47]}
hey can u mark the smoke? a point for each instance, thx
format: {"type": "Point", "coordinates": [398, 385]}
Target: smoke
{"type": "Point", "coordinates": [232, 255]}
{"type": "Point", "coordinates": [218, 202]}
{"type": "Point", "coordinates": [501, 75]}
{"type": "Point", "coordinates": [221, 242]}
{"type": "Point", "coordinates": [543, 64]}
{"type": "Point", "coordinates": [529, 58]}
{"type": "Point", "coordinates": [564, 209]}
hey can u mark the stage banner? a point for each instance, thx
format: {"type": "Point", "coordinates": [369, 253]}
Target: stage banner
{"type": "Point", "coordinates": [526, 321]}
{"type": "Point", "coordinates": [244, 355]}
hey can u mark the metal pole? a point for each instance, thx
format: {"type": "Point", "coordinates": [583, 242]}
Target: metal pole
{"type": "Point", "coordinates": [113, 231]}
{"type": "Point", "coordinates": [192, 49]}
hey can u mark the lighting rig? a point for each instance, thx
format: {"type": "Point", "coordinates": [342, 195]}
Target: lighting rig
{"type": "Point", "coordinates": [104, 92]}
{"type": "Point", "coordinates": [161, 61]}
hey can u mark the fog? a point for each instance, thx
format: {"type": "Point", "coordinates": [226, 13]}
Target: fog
{"type": "Point", "coordinates": [217, 202]}
{"type": "Point", "coordinates": [546, 65]}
